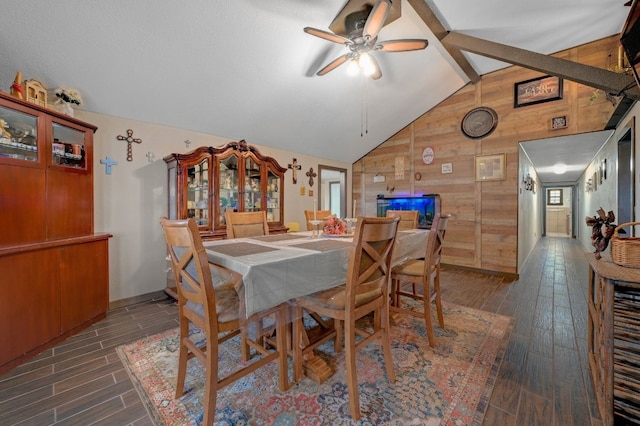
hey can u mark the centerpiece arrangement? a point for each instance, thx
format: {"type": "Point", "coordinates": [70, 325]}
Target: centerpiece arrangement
{"type": "Point", "coordinates": [334, 226]}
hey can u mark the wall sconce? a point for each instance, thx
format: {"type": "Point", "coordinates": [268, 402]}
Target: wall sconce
{"type": "Point", "coordinates": [529, 183]}
{"type": "Point", "coordinates": [588, 185]}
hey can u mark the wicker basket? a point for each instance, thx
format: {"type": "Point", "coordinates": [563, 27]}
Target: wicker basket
{"type": "Point", "coordinates": [625, 251]}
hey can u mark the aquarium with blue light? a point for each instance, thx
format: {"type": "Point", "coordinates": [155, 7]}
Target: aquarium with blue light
{"type": "Point", "coordinates": [427, 205]}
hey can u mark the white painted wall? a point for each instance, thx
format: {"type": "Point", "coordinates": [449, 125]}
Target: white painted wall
{"type": "Point", "coordinates": [130, 201]}
{"type": "Point", "coordinates": [529, 209]}
{"type": "Point", "coordinates": [605, 195]}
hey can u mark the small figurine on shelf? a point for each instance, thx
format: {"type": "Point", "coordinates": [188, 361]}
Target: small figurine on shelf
{"type": "Point", "coordinates": [66, 98]}
{"type": "Point", "coordinates": [4, 133]}
{"type": "Point", "coordinates": [16, 87]}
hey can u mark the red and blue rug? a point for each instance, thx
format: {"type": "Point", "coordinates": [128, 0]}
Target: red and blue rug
{"type": "Point", "coordinates": [447, 385]}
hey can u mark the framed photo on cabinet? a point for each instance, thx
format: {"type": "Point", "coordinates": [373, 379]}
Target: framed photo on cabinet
{"type": "Point", "coordinates": [490, 167]}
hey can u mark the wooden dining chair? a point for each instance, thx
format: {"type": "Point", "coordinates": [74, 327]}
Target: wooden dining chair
{"type": "Point", "coordinates": [208, 299]}
{"type": "Point", "coordinates": [246, 224]}
{"type": "Point", "coordinates": [424, 272]}
{"type": "Point", "coordinates": [320, 215]}
{"type": "Point", "coordinates": [366, 290]}
{"type": "Point", "coordinates": [408, 218]}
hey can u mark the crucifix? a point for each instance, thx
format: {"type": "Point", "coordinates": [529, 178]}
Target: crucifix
{"type": "Point", "coordinates": [129, 139]}
{"type": "Point", "coordinates": [311, 174]}
{"type": "Point", "coordinates": [295, 167]}
{"type": "Point", "coordinates": [108, 162]}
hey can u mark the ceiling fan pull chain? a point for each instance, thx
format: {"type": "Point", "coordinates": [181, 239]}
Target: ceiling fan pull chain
{"type": "Point", "coordinates": [364, 108]}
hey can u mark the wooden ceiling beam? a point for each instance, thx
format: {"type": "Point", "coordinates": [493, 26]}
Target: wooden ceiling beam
{"type": "Point", "coordinates": [433, 23]}
{"type": "Point", "coordinates": [609, 81]}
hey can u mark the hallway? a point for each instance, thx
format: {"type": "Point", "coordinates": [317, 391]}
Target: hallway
{"type": "Point", "coordinates": [544, 378]}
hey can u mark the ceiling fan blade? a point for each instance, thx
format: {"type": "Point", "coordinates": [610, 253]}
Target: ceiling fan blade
{"type": "Point", "coordinates": [334, 64]}
{"type": "Point", "coordinates": [376, 19]}
{"type": "Point", "coordinates": [376, 73]}
{"type": "Point", "coordinates": [327, 36]}
{"type": "Point", "coordinates": [402, 45]}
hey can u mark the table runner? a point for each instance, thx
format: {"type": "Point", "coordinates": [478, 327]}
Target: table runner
{"type": "Point", "coordinates": [241, 249]}
{"type": "Point", "coordinates": [324, 245]}
{"type": "Point", "coordinates": [279, 237]}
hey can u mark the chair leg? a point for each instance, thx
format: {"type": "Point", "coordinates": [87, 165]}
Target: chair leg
{"type": "Point", "coordinates": [350, 362]}
{"type": "Point", "coordinates": [211, 384]}
{"type": "Point", "coordinates": [428, 321]}
{"type": "Point", "coordinates": [337, 343]}
{"type": "Point", "coordinates": [183, 357]}
{"type": "Point", "coordinates": [436, 286]}
{"type": "Point", "coordinates": [386, 343]}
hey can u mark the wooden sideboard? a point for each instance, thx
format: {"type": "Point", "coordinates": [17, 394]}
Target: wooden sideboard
{"type": "Point", "coordinates": [54, 269]}
{"type": "Point", "coordinates": [614, 339]}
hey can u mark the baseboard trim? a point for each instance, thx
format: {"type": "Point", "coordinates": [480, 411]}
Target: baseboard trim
{"type": "Point", "coordinates": [506, 275]}
{"type": "Point", "coordinates": [156, 295]}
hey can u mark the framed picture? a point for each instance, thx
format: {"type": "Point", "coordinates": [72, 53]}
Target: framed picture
{"type": "Point", "coordinates": [537, 90]}
{"type": "Point", "coordinates": [490, 167]}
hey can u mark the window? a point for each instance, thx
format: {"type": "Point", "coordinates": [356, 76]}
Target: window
{"type": "Point", "coordinates": [554, 197]}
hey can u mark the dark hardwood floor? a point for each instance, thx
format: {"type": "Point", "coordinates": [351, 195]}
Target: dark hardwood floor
{"type": "Point", "coordinates": [543, 379]}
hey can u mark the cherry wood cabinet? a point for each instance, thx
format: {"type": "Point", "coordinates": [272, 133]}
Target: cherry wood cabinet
{"type": "Point", "coordinates": [55, 274]}
{"type": "Point", "coordinates": [207, 181]}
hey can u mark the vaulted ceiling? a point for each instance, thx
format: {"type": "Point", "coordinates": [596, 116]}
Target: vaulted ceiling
{"type": "Point", "coordinates": [244, 69]}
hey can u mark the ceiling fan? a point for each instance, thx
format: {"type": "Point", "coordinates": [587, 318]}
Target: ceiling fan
{"type": "Point", "coordinates": [362, 39]}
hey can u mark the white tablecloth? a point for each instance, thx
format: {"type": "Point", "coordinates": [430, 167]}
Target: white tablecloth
{"type": "Point", "coordinates": [280, 267]}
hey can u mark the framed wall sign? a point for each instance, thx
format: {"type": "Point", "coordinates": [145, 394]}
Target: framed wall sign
{"type": "Point", "coordinates": [537, 90]}
{"type": "Point", "coordinates": [490, 167]}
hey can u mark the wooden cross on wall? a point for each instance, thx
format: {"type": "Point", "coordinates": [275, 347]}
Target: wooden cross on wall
{"type": "Point", "coordinates": [295, 167]}
{"type": "Point", "coordinates": [129, 139]}
{"type": "Point", "coordinates": [311, 174]}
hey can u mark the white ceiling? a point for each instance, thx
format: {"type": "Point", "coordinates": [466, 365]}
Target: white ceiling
{"type": "Point", "coordinates": [244, 69]}
{"type": "Point", "coordinates": [575, 152]}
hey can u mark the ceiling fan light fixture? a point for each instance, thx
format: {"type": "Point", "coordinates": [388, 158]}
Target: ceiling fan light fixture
{"type": "Point", "coordinates": [366, 64]}
{"type": "Point", "coordinates": [353, 68]}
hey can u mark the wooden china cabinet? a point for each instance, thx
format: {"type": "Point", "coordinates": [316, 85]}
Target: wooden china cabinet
{"type": "Point", "coordinates": [207, 181]}
{"type": "Point", "coordinates": [55, 274]}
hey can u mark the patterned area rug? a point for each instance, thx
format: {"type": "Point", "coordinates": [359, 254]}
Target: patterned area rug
{"type": "Point", "coordinates": [449, 385]}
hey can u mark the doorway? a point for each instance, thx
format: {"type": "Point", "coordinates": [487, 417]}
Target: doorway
{"type": "Point", "coordinates": [558, 211]}
{"type": "Point", "coordinates": [626, 183]}
{"type": "Point", "coordinates": [333, 190]}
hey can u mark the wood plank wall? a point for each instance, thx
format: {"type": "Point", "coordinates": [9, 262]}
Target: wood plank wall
{"type": "Point", "coordinates": [484, 229]}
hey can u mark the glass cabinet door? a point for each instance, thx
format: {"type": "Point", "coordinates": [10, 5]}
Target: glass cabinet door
{"type": "Point", "coordinates": [273, 196]}
{"type": "Point", "coordinates": [228, 186]}
{"type": "Point", "coordinates": [252, 185]}
{"type": "Point", "coordinates": [68, 147]}
{"type": "Point", "coordinates": [18, 135]}
{"type": "Point", "coordinates": [198, 192]}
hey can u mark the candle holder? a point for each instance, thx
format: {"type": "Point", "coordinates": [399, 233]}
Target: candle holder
{"type": "Point", "coordinates": [351, 221]}
{"type": "Point", "coordinates": [315, 232]}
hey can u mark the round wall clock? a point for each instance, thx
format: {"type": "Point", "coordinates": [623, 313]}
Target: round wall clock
{"type": "Point", "coordinates": [479, 122]}
{"type": "Point", "coordinates": [427, 155]}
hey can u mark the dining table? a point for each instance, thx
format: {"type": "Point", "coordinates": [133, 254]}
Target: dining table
{"type": "Point", "coordinates": [280, 267]}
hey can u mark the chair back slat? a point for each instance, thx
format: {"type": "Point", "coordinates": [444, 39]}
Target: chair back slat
{"type": "Point", "coordinates": [320, 215]}
{"type": "Point", "coordinates": [370, 261]}
{"type": "Point", "coordinates": [246, 224]}
{"type": "Point", "coordinates": [408, 218]}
